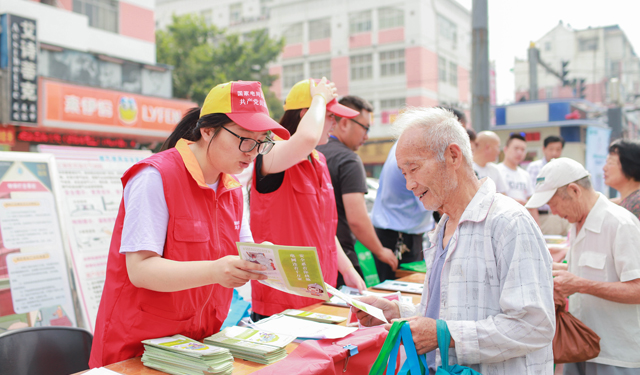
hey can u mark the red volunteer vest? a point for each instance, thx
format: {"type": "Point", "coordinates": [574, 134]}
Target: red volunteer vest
{"type": "Point", "coordinates": [202, 225]}
{"type": "Point", "coordinates": [302, 212]}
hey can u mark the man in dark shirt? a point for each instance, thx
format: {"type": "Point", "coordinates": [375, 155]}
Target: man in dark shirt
{"type": "Point", "coordinates": [349, 183]}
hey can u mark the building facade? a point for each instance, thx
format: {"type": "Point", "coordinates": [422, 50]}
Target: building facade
{"type": "Point", "coordinates": [83, 72]}
{"type": "Point", "coordinates": [595, 56]}
{"type": "Point", "coordinates": [406, 52]}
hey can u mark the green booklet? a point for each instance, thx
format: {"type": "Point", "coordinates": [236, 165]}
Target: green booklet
{"type": "Point", "coordinates": [316, 317]}
{"type": "Point", "coordinates": [252, 344]}
{"type": "Point", "coordinates": [179, 354]}
{"type": "Point", "coordinates": [290, 269]}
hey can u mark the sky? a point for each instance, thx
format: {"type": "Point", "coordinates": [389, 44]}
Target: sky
{"type": "Point", "coordinates": [515, 23]}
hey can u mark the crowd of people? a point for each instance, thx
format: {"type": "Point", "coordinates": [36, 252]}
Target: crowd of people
{"type": "Point", "coordinates": [173, 260]}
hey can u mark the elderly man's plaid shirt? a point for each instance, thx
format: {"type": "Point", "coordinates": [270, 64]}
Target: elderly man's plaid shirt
{"type": "Point", "coordinates": [496, 288]}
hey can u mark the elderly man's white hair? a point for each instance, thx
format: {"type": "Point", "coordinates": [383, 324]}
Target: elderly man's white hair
{"type": "Point", "coordinates": [440, 129]}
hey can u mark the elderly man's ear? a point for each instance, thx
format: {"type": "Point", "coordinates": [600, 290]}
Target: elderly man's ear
{"type": "Point", "coordinates": [454, 155]}
{"type": "Point", "coordinates": [574, 190]}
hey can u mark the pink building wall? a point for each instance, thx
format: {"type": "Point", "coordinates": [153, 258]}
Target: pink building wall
{"type": "Point", "coordinates": [276, 87]}
{"type": "Point", "coordinates": [463, 86]}
{"type": "Point", "coordinates": [421, 101]}
{"type": "Point", "coordinates": [137, 22]}
{"type": "Point", "coordinates": [292, 50]}
{"type": "Point", "coordinates": [66, 4]}
{"type": "Point", "coordinates": [360, 40]}
{"type": "Point", "coordinates": [391, 35]}
{"type": "Point", "coordinates": [319, 46]}
{"type": "Point", "coordinates": [340, 74]}
{"type": "Point", "coordinates": [421, 66]}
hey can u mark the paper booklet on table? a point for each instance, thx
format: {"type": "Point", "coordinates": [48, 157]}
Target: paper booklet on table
{"type": "Point", "coordinates": [180, 355]}
{"type": "Point", "coordinates": [316, 317]}
{"type": "Point", "coordinates": [353, 292]}
{"type": "Point", "coordinates": [252, 344]}
{"type": "Point", "coordinates": [400, 286]}
{"type": "Point", "coordinates": [287, 325]}
{"type": "Point", "coordinates": [290, 269]}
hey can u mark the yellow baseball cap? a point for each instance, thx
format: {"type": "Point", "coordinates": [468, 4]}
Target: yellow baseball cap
{"type": "Point", "coordinates": [300, 97]}
{"type": "Point", "coordinates": [245, 105]}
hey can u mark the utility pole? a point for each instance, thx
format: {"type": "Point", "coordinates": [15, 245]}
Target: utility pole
{"type": "Point", "coordinates": [533, 72]}
{"type": "Point", "coordinates": [480, 115]}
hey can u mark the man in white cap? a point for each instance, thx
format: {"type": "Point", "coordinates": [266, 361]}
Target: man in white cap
{"type": "Point", "coordinates": [603, 278]}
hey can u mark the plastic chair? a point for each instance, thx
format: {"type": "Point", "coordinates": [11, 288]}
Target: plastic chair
{"type": "Point", "coordinates": [45, 351]}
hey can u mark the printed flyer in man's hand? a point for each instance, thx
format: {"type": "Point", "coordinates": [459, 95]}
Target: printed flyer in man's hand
{"type": "Point", "coordinates": [290, 269]}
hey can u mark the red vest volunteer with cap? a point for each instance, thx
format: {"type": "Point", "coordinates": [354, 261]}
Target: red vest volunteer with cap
{"type": "Point", "coordinates": [203, 225]}
{"type": "Point", "coordinates": [302, 212]}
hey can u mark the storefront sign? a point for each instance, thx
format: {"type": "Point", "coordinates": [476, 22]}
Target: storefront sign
{"type": "Point", "coordinates": [19, 48]}
{"type": "Point", "coordinates": [8, 136]}
{"type": "Point", "coordinates": [79, 107]}
{"type": "Point", "coordinates": [73, 139]}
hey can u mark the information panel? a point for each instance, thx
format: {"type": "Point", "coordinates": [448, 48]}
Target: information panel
{"type": "Point", "coordinates": [34, 281]}
{"type": "Point", "coordinates": [91, 192]}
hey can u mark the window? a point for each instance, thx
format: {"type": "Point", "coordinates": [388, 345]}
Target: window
{"type": "Point", "coordinates": [361, 67]}
{"type": "Point", "coordinates": [102, 14]}
{"type": "Point", "coordinates": [442, 69]}
{"type": "Point", "coordinates": [293, 35]}
{"type": "Point", "coordinates": [359, 22]}
{"type": "Point", "coordinates": [292, 74]}
{"type": "Point", "coordinates": [392, 63]}
{"type": "Point", "coordinates": [447, 29]}
{"type": "Point", "coordinates": [590, 44]}
{"type": "Point", "coordinates": [207, 15]}
{"type": "Point", "coordinates": [453, 74]}
{"type": "Point", "coordinates": [319, 69]}
{"type": "Point", "coordinates": [320, 29]}
{"type": "Point", "coordinates": [235, 13]}
{"type": "Point", "coordinates": [615, 68]}
{"type": "Point", "coordinates": [389, 104]}
{"type": "Point", "coordinates": [547, 46]}
{"type": "Point", "coordinates": [390, 17]}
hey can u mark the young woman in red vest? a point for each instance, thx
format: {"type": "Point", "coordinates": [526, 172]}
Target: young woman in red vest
{"type": "Point", "coordinates": [173, 257]}
{"type": "Point", "coordinates": [300, 203]}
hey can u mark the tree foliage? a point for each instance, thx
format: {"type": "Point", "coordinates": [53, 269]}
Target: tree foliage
{"type": "Point", "coordinates": [204, 56]}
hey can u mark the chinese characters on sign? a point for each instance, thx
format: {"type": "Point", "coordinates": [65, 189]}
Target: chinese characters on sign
{"type": "Point", "coordinates": [22, 47]}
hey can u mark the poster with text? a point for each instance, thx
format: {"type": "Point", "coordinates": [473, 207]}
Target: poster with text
{"type": "Point", "coordinates": [34, 278]}
{"type": "Point", "coordinates": [91, 192]}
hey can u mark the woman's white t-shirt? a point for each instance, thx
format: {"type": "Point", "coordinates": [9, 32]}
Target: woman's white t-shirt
{"type": "Point", "coordinates": [147, 216]}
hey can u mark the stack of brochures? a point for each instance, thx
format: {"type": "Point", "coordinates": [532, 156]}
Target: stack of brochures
{"type": "Point", "coordinates": [181, 355]}
{"type": "Point", "coordinates": [252, 344]}
{"type": "Point", "coordinates": [316, 317]}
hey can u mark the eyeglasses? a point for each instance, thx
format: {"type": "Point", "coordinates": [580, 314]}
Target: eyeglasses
{"type": "Point", "coordinates": [248, 144]}
{"type": "Point", "coordinates": [367, 128]}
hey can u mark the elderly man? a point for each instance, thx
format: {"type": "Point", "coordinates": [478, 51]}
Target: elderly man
{"type": "Point", "coordinates": [484, 156]}
{"type": "Point", "coordinates": [603, 277]}
{"type": "Point", "coordinates": [488, 270]}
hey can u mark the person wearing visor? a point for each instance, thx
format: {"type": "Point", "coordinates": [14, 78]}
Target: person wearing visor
{"type": "Point", "coordinates": [603, 276]}
{"type": "Point", "coordinates": [294, 204]}
{"type": "Point", "coordinates": [173, 258]}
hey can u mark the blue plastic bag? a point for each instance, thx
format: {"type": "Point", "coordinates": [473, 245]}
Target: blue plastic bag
{"type": "Point", "coordinates": [444, 340]}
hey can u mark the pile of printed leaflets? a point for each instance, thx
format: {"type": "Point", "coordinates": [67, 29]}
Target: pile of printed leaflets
{"type": "Point", "coordinates": [252, 344]}
{"type": "Point", "coordinates": [181, 355]}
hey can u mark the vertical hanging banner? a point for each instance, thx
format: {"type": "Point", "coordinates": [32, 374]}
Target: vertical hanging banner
{"type": "Point", "coordinates": [19, 46]}
{"type": "Point", "coordinates": [91, 192]}
{"type": "Point", "coordinates": [34, 278]}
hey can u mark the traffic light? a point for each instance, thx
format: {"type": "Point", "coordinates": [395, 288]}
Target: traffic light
{"type": "Point", "coordinates": [581, 88]}
{"type": "Point", "coordinates": [564, 73]}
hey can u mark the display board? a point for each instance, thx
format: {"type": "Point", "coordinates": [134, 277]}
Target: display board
{"type": "Point", "coordinates": [34, 278]}
{"type": "Point", "coordinates": [91, 192]}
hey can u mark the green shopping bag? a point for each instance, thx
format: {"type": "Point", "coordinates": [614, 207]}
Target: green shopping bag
{"type": "Point", "coordinates": [444, 340]}
{"type": "Point", "coordinates": [414, 364]}
{"type": "Point", "coordinates": [367, 265]}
